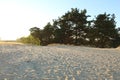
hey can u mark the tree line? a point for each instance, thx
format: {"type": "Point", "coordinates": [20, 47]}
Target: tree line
{"type": "Point", "coordinates": [74, 27]}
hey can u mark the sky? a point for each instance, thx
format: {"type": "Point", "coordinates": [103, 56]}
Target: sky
{"type": "Point", "coordinates": [18, 16]}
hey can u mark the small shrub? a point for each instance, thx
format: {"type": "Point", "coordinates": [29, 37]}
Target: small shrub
{"type": "Point", "coordinates": [29, 40]}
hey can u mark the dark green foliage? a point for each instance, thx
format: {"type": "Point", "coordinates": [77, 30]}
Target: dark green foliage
{"type": "Point", "coordinates": [35, 31]}
{"type": "Point", "coordinates": [105, 30]}
{"type": "Point", "coordinates": [48, 34]}
{"type": "Point", "coordinates": [71, 27]}
{"type": "Point", "coordinates": [45, 35]}
{"type": "Point", "coordinates": [74, 28]}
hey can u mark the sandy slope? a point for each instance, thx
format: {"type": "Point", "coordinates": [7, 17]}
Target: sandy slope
{"type": "Point", "coordinates": [118, 48]}
{"type": "Point", "coordinates": [22, 62]}
{"type": "Point", "coordinates": [10, 43]}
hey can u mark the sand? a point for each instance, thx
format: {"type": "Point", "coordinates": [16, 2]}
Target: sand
{"type": "Point", "coordinates": [23, 62]}
{"type": "Point", "coordinates": [10, 43]}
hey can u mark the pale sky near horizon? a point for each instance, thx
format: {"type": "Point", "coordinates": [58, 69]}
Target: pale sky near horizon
{"type": "Point", "coordinates": [18, 16]}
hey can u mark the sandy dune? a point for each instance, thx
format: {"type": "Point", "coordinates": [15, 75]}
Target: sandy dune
{"type": "Point", "coordinates": [23, 62]}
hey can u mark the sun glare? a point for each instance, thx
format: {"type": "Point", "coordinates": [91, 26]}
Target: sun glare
{"type": "Point", "coordinates": [16, 20]}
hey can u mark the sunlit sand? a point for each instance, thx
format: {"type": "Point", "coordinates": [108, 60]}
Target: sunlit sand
{"type": "Point", "coordinates": [59, 62]}
{"type": "Point", "coordinates": [10, 43]}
